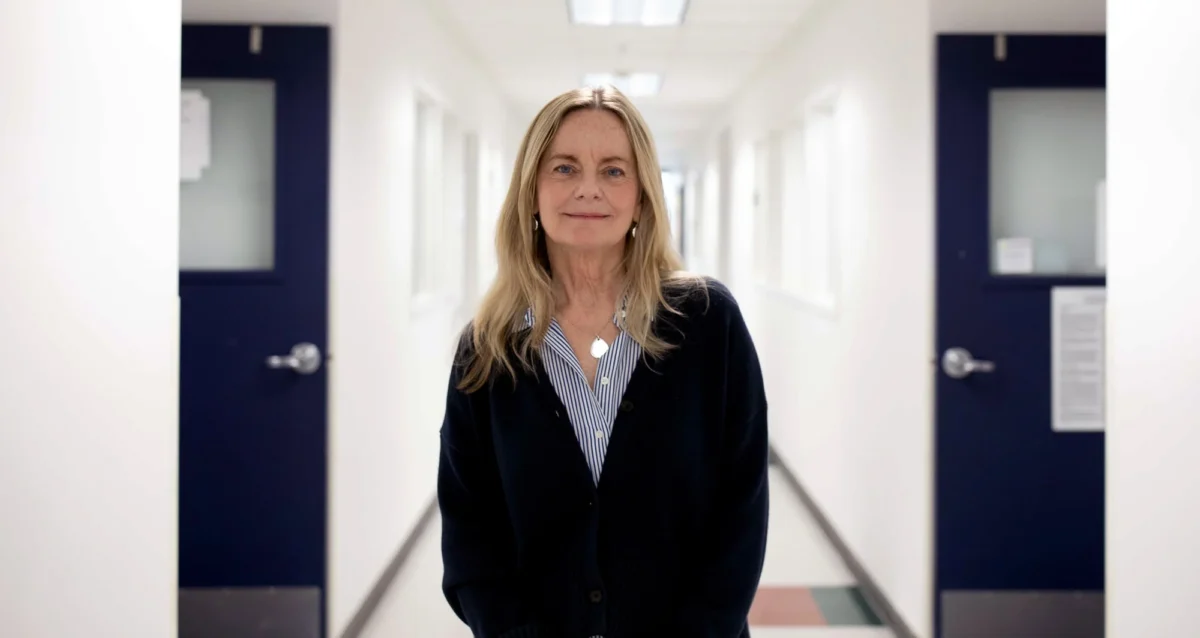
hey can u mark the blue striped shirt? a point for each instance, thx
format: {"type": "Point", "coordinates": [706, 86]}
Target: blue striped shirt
{"type": "Point", "coordinates": [591, 412]}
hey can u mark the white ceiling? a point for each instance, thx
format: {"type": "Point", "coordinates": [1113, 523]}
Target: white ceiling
{"type": "Point", "coordinates": [535, 53]}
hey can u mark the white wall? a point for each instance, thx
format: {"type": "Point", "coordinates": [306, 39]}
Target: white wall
{"type": "Point", "coordinates": [1152, 474]}
{"type": "Point", "coordinates": [89, 149]}
{"type": "Point", "coordinates": [390, 356]}
{"type": "Point", "coordinates": [1033, 16]}
{"type": "Point", "coordinates": [851, 393]}
{"type": "Point", "coordinates": [261, 11]}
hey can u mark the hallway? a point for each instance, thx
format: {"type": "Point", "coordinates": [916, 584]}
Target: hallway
{"type": "Point", "coordinates": [239, 241]}
{"type": "Point", "coordinates": [806, 590]}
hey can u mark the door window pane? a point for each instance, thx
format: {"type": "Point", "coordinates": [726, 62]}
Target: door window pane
{"type": "Point", "coordinates": [227, 215]}
{"type": "Point", "coordinates": [1047, 170]}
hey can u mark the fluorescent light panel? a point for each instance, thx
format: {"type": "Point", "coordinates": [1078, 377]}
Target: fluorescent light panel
{"type": "Point", "coordinates": [631, 84]}
{"type": "Point", "coordinates": [647, 13]}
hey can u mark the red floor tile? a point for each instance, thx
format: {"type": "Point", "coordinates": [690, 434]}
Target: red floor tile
{"type": "Point", "coordinates": [785, 607]}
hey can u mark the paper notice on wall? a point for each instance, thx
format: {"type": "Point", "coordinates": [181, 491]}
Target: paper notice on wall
{"type": "Point", "coordinates": [195, 141]}
{"type": "Point", "coordinates": [1014, 256]}
{"type": "Point", "coordinates": [1077, 358]}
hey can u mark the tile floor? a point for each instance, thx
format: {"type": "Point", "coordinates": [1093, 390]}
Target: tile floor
{"type": "Point", "coordinates": [806, 591]}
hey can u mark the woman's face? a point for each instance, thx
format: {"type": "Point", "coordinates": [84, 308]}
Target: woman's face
{"type": "Point", "coordinates": [587, 187]}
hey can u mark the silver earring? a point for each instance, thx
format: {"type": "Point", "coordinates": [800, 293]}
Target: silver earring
{"type": "Point", "coordinates": [535, 224]}
{"type": "Point", "coordinates": [633, 231]}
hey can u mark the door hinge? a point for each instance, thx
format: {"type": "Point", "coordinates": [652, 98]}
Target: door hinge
{"type": "Point", "coordinates": [1001, 47]}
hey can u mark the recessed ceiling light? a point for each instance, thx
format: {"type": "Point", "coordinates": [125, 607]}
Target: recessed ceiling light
{"type": "Point", "coordinates": [631, 84]}
{"type": "Point", "coordinates": [649, 13]}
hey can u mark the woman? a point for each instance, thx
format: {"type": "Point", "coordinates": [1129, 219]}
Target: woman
{"type": "Point", "coordinates": [591, 333]}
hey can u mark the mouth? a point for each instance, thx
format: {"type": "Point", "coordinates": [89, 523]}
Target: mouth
{"type": "Point", "coordinates": [586, 215]}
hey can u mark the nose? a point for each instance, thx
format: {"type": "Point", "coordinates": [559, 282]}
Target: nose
{"type": "Point", "coordinates": [589, 187]}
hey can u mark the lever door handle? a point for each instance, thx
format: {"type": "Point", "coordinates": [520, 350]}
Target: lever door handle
{"type": "Point", "coordinates": [958, 363]}
{"type": "Point", "coordinates": [305, 358]}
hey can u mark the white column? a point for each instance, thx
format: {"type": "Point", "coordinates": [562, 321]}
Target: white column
{"type": "Point", "coordinates": [89, 119]}
{"type": "Point", "coordinates": [1153, 465]}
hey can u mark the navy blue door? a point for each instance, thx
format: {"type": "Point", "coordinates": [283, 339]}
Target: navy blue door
{"type": "Point", "coordinates": [253, 286]}
{"type": "Point", "coordinates": [1019, 505]}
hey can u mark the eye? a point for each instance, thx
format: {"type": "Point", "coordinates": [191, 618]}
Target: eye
{"type": "Point", "coordinates": [563, 169]}
{"type": "Point", "coordinates": [615, 172]}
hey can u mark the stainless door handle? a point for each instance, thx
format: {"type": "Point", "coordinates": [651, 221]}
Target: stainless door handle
{"type": "Point", "coordinates": [305, 358]}
{"type": "Point", "coordinates": [958, 363]}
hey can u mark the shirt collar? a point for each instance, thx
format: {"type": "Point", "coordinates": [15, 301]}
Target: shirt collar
{"type": "Point", "coordinates": [618, 316]}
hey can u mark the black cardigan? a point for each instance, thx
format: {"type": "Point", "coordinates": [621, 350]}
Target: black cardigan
{"type": "Point", "coordinates": [671, 541]}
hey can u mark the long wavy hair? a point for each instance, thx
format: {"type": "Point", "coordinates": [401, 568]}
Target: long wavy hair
{"type": "Point", "coordinates": [498, 342]}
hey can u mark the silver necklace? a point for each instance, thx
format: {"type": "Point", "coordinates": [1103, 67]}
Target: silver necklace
{"type": "Point", "coordinates": [599, 345]}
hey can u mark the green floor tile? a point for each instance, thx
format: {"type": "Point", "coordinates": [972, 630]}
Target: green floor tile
{"type": "Point", "coordinates": [844, 606]}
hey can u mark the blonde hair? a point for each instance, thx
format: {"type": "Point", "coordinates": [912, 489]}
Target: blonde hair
{"type": "Point", "coordinates": [652, 268]}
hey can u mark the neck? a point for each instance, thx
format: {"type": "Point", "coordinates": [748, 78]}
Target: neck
{"type": "Point", "coordinates": [587, 283]}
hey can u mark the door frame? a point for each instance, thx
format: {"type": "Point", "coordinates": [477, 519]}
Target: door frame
{"type": "Point", "coordinates": [242, 51]}
{"type": "Point", "coordinates": [976, 63]}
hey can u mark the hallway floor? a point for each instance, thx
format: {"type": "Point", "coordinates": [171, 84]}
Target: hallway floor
{"type": "Point", "coordinates": [806, 591]}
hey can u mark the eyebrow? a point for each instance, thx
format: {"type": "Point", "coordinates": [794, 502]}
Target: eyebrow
{"type": "Point", "coordinates": [572, 158]}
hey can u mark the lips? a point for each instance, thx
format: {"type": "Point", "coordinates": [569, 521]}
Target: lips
{"type": "Point", "coordinates": [586, 215]}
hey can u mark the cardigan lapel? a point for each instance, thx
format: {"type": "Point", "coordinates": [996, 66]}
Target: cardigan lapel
{"type": "Point", "coordinates": [646, 379]}
{"type": "Point", "coordinates": [560, 427]}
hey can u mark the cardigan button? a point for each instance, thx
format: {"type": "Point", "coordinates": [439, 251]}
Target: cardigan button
{"type": "Point", "coordinates": [596, 596]}
{"type": "Point", "coordinates": [626, 406]}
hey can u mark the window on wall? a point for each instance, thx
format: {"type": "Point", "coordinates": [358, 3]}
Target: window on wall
{"type": "Point", "coordinates": [692, 189]}
{"type": "Point", "coordinates": [491, 193]}
{"type": "Point", "coordinates": [819, 164]}
{"type": "Point", "coordinates": [797, 210]}
{"type": "Point", "coordinates": [672, 182]}
{"type": "Point", "coordinates": [453, 218]}
{"type": "Point", "coordinates": [767, 169]}
{"type": "Point", "coordinates": [473, 185]}
{"type": "Point", "coordinates": [429, 190]}
{"type": "Point", "coordinates": [792, 215]}
{"type": "Point", "coordinates": [708, 236]}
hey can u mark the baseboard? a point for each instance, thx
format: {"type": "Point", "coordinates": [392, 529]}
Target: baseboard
{"type": "Point", "coordinates": [379, 590]}
{"type": "Point", "coordinates": [870, 589]}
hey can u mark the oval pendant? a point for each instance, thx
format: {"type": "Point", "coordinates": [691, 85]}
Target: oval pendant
{"type": "Point", "coordinates": [599, 348]}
